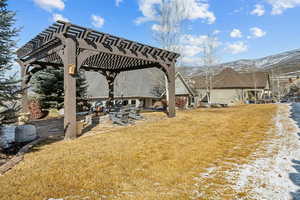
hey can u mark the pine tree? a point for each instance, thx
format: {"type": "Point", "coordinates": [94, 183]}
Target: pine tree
{"type": "Point", "coordinates": [81, 92]}
{"type": "Point", "coordinates": [9, 85]}
{"type": "Point", "coordinates": [48, 84]}
{"type": "Point", "coordinates": [81, 86]}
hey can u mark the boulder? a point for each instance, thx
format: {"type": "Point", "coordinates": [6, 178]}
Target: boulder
{"type": "Point", "coordinates": [25, 133]}
{"type": "Point", "coordinates": [7, 136]}
{"type": "Point", "coordinates": [61, 112]}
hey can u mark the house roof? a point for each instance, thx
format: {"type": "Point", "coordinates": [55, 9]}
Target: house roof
{"type": "Point", "coordinates": [229, 78]}
{"type": "Point", "coordinates": [189, 90]}
{"type": "Point", "coordinates": [179, 76]}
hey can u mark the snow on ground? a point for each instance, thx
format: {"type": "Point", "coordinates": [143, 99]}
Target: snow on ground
{"type": "Point", "coordinates": [276, 176]}
{"type": "Point", "coordinates": [273, 172]}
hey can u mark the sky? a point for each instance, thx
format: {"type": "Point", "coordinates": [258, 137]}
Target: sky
{"type": "Point", "coordinates": [242, 29]}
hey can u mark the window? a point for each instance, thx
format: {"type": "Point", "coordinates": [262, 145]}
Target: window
{"type": "Point", "coordinates": [133, 102]}
{"type": "Point", "coordinates": [125, 102]}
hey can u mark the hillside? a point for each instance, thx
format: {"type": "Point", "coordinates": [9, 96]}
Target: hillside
{"type": "Point", "coordinates": [282, 63]}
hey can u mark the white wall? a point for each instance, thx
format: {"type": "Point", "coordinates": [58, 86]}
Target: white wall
{"type": "Point", "coordinates": [226, 96]}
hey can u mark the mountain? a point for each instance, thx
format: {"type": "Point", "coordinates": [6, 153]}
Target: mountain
{"type": "Point", "coordinates": [280, 64]}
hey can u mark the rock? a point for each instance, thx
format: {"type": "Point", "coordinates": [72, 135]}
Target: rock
{"type": "Point", "coordinates": [61, 112]}
{"type": "Point", "coordinates": [25, 133]}
{"type": "Point", "coordinates": [3, 156]}
{"type": "Point", "coordinates": [7, 136]}
{"type": "Point", "coordinates": [2, 161]}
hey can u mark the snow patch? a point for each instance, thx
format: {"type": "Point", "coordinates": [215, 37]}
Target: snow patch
{"type": "Point", "coordinates": [270, 177]}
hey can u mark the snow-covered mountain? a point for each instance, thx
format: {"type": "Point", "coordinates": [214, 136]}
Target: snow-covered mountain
{"type": "Point", "coordinates": [283, 63]}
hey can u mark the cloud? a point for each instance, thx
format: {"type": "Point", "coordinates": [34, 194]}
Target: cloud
{"type": "Point", "coordinates": [237, 47]}
{"type": "Point", "coordinates": [238, 10]}
{"type": "Point", "coordinates": [259, 10]}
{"type": "Point", "coordinates": [147, 7]}
{"type": "Point", "coordinates": [279, 6]}
{"type": "Point", "coordinates": [193, 9]}
{"type": "Point", "coordinates": [192, 61]}
{"type": "Point", "coordinates": [216, 32]}
{"type": "Point", "coordinates": [196, 9]}
{"type": "Point", "coordinates": [97, 21]}
{"type": "Point", "coordinates": [236, 33]}
{"type": "Point", "coordinates": [118, 2]}
{"type": "Point", "coordinates": [59, 17]}
{"type": "Point", "coordinates": [191, 50]}
{"type": "Point", "coordinates": [192, 46]}
{"type": "Point", "coordinates": [49, 5]}
{"type": "Point", "coordinates": [189, 39]}
{"type": "Point", "coordinates": [159, 28]}
{"type": "Point", "coordinates": [257, 32]}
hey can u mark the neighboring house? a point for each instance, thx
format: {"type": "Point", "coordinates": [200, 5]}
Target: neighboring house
{"type": "Point", "coordinates": [134, 87]}
{"type": "Point", "coordinates": [184, 94]}
{"type": "Point", "coordinates": [230, 87]}
{"type": "Point", "coordinates": [292, 89]}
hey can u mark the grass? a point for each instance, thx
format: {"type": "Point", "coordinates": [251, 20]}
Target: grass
{"type": "Point", "coordinates": [156, 160]}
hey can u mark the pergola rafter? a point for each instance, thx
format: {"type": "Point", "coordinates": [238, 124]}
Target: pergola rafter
{"type": "Point", "coordinates": [74, 47]}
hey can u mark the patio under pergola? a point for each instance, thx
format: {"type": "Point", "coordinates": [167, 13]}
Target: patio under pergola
{"type": "Point", "coordinates": [78, 48]}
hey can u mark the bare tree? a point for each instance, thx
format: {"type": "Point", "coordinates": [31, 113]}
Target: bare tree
{"type": "Point", "coordinates": [210, 58]}
{"type": "Point", "coordinates": [167, 31]}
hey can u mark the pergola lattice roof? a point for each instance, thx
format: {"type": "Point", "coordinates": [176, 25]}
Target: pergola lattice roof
{"type": "Point", "coordinates": [111, 53]}
{"type": "Point", "coordinates": [74, 47]}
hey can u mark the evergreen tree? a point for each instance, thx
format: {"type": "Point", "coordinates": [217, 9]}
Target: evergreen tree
{"type": "Point", "coordinates": [48, 84]}
{"type": "Point", "coordinates": [81, 92]}
{"type": "Point", "coordinates": [9, 87]}
{"type": "Point", "coordinates": [81, 86]}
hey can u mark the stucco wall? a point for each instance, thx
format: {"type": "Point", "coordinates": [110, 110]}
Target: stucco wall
{"type": "Point", "coordinates": [226, 96]}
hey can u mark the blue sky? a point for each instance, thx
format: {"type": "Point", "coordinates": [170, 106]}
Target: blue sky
{"type": "Point", "coordinates": [244, 29]}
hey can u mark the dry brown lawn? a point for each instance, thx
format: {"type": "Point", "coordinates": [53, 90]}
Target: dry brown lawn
{"type": "Point", "coordinates": [156, 160]}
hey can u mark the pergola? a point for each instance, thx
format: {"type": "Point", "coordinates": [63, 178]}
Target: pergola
{"type": "Point", "coordinates": [78, 48]}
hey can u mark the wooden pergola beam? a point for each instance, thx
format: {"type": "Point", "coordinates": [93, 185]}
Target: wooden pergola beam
{"type": "Point", "coordinates": [74, 47]}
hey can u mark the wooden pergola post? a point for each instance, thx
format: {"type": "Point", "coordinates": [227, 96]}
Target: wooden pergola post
{"type": "Point", "coordinates": [70, 66]}
{"type": "Point", "coordinates": [24, 101]}
{"type": "Point", "coordinates": [110, 77]}
{"type": "Point", "coordinates": [171, 91]}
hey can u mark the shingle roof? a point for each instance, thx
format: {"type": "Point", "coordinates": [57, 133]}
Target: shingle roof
{"type": "Point", "coordinates": [229, 78]}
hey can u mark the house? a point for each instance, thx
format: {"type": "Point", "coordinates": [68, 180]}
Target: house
{"type": "Point", "coordinates": [230, 87]}
{"type": "Point", "coordinates": [292, 90]}
{"type": "Point", "coordinates": [141, 88]}
{"type": "Point", "coordinates": [134, 87]}
{"type": "Point", "coordinates": [184, 93]}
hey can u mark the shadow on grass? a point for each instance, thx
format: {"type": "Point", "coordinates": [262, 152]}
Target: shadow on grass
{"type": "Point", "coordinates": [56, 136]}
